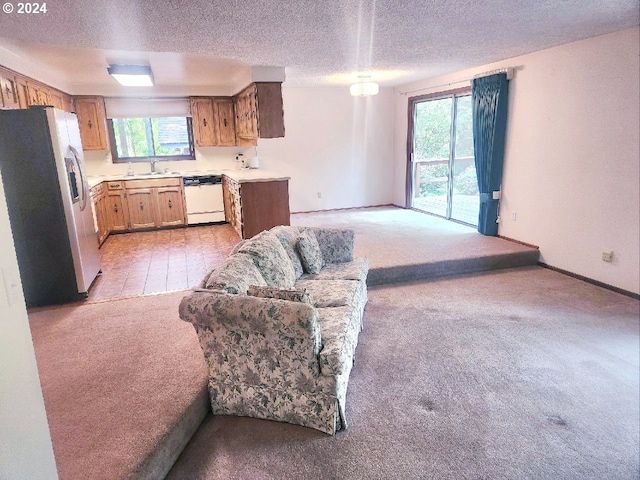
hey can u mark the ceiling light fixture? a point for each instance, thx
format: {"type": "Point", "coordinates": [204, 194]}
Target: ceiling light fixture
{"type": "Point", "coordinates": [364, 87]}
{"type": "Point", "coordinates": [132, 75]}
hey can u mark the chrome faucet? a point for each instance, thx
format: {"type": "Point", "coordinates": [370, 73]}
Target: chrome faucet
{"type": "Point", "coordinates": [153, 162]}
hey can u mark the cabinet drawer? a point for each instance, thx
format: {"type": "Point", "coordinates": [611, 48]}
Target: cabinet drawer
{"type": "Point", "coordinates": [115, 185]}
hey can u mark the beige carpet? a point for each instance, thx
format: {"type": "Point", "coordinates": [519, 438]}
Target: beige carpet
{"type": "Point", "coordinates": [513, 374]}
{"type": "Point", "coordinates": [392, 236]}
{"type": "Point", "coordinates": [117, 379]}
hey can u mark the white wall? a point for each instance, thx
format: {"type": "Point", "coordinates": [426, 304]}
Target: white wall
{"type": "Point", "coordinates": [25, 443]}
{"type": "Point", "coordinates": [572, 155]}
{"type": "Point", "coordinates": [335, 144]}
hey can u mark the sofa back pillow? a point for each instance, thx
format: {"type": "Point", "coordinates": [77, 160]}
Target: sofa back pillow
{"type": "Point", "coordinates": [272, 261]}
{"type": "Point", "coordinates": [336, 244]}
{"type": "Point", "coordinates": [287, 236]}
{"type": "Point", "coordinates": [235, 275]}
{"type": "Point", "coordinates": [307, 245]}
{"type": "Point", "coordinates": [292, 295]}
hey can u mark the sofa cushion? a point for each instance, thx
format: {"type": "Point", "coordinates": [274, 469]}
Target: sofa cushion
{"type": "Point", "coordinates": [288, 236]}
{"type": "Point", "coordinates": [269, 257]}
{"type": "Point", "coordinates": [339, 328]}
{"type": "Point", "coordinates": [310, 253]}
{"type": "Point", "coordinates": [355, 270]}
{"type": "Point", "coordinates": [292, 295]}
{"type": "Point", "coordinates": [331, 293]}
{"type": "Point", "coordinates": [235, 275]}
{"type": "Point", "coordinates": [336, 244]}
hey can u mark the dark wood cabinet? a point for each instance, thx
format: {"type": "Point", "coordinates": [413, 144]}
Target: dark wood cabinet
{"type": "Point", "coordinates": [259, 113]}
{"type": "Point", "coordinates": [251, 207]}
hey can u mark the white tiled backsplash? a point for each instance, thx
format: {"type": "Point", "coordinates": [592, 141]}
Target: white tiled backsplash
{"type": "Point", "coordinates": [207, 159]}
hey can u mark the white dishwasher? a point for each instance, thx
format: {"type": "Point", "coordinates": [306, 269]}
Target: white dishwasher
{"type": "Point", "coordinates": [203, 196]}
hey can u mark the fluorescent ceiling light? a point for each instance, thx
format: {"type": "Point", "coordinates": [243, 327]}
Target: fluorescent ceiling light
{"type": "Point", "coordinates": [364, 88]}
{"type": "Point", "coordinates": [131, 75]}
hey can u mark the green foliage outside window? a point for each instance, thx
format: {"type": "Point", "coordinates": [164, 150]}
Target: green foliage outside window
{"type": "Point", "coordinates": [432, 137]}
{"type": "Point", "coordinates": [152, 137]}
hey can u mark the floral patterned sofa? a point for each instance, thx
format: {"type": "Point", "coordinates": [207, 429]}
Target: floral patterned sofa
{"type": "Point", "coordinates": [278, 323]}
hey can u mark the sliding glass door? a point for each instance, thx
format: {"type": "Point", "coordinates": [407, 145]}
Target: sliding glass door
{"type": "Point", "coordinates": [443, 180]}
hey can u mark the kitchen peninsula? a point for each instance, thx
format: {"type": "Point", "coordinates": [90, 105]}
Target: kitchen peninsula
{"type": "Point", "coordinates": [254, 200]}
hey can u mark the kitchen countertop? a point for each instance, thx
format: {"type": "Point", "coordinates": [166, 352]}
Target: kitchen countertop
{"type": "Point", "coordinates": [240, 176]}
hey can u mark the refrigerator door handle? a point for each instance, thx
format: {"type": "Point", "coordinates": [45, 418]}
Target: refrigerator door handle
{"type": "Point", "coordinates": [83, 178]}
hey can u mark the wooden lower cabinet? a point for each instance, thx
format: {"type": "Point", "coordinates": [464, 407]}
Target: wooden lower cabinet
{"type": "Point", "coordinates": [118, 211]}
{"type": "Point", "coordinates": [251, 207]}
{"type": "Point", "coordinates": [170, 206]}
{"type": "Point", "coordinates": [141, 208]}
{"type": "Point", "coordinates": [100, 209]}
{"type": "Point", "coordinates": [125, 206]}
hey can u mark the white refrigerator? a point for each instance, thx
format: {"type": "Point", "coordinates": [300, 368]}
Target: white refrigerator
{"type": "Point", "coordinates": [42, 169]}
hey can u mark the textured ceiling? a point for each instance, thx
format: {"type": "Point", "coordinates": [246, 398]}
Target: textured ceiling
{"type": "Point", "coordinates": [319, 42]}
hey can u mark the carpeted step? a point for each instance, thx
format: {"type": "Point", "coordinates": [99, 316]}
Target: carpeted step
{"type": "Point", "coordinates": [124, 385]}
{"type": "Point", "coordinates": [427, 270]}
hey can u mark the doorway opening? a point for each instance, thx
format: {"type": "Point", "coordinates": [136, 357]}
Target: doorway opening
{"type": "Point", "coordinates": [442, 173]}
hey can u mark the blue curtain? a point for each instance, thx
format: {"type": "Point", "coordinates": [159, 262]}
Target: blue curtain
{"type": "Point", "coordinates": [489, 103]}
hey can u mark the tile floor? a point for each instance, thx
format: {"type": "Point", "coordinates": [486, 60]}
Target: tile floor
{"type": "Point", "coordinates": [160, 261]}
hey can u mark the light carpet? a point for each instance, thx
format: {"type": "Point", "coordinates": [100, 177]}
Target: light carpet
{"type": "Point", "coordinates": [124, 385]}
{"type": "Point", "coordinates": [522, 373]}
{"type": "Point", "coordinates": [405, 245]}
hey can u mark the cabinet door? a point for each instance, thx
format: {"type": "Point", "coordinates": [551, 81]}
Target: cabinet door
{"type": "Point", "coordinates": [140, 203]}
{"type": "Point", "coordinates": [92, 121]}
{"type": "Point", "coordinates": [118, 213]}
{"type": "Point", "coordinates": [170, 206]}
{"type": "Point", "coordinates": [33, 95]}
{"type": "Point", "coordinates": [203, 122]}
{"type": "Point", "coordinates": [55, 99]}
{"type": "Point", "coordinates": [8, 93]}
{"type": "Point", "coordinates": [102, 215]}
{"type": "Point", "coordinates": [23, 92]}
{"type": "Point", "coordinates": [225, 122]}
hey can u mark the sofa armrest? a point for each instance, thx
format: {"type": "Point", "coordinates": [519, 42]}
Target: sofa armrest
{"type": "Point", "coordinates": [336, 244]}
{"type": "Point", "coordinates": [248, 316]}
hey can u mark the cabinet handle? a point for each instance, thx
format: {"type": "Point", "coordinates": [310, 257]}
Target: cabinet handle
{"type": "Point", "coordinates": [204, 122]}
{"type": "Point", "coordinates": [225, 122]}
{"type": "Point", "coordinates": [90, 124]}
{"type": "Point", "coordinates": [170, 204]}
{"type": "Point", "coordinates": [115, 208]}
{"type": "Point", "coordinates": [141, 206]}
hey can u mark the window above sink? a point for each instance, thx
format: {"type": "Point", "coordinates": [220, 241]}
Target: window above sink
{"type": "Point", "coordinates": [143, 139]}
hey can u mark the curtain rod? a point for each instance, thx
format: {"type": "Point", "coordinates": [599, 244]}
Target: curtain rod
{"type": "Point", "coordinates": [507, 70]}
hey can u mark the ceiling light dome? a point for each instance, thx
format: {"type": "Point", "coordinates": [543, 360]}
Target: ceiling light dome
{"type": "Point", "coordinates": [364, 87]}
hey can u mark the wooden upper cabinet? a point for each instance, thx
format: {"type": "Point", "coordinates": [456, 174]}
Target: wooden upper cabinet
{"type": "Point", "coordinates": [18, 91]}
{"type": "Point", "coordinates": [270, 110]}
{"type": "Point", "coordinates": [92, 119]}
{"type": "Point", "coordinates": [202, 120]}
{"type": "Point", "coordinates": [259, 112]}
{"type": "Point", "coordinates": [225, 121]}
{"type": "Point", "coordinates": [8, 93]}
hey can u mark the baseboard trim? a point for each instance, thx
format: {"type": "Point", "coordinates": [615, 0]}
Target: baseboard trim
{"type": "Point", "coordinates": [346, 208]}
{"type": "Point", "coordinates": [597, 283]}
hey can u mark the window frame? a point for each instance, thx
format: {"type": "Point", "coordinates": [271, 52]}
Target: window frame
{"type": "Point", "coordinates": [117, 159]}
{"type": "Point", "coordinates": [412, 101]}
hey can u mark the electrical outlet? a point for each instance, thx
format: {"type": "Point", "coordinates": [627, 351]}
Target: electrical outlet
{"type": "Point", "coordinates": [319, 194]}
{"type": "Point", "coordinates": [514, 216]}
{"type": "Point", "coordinates": [607, 255]}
